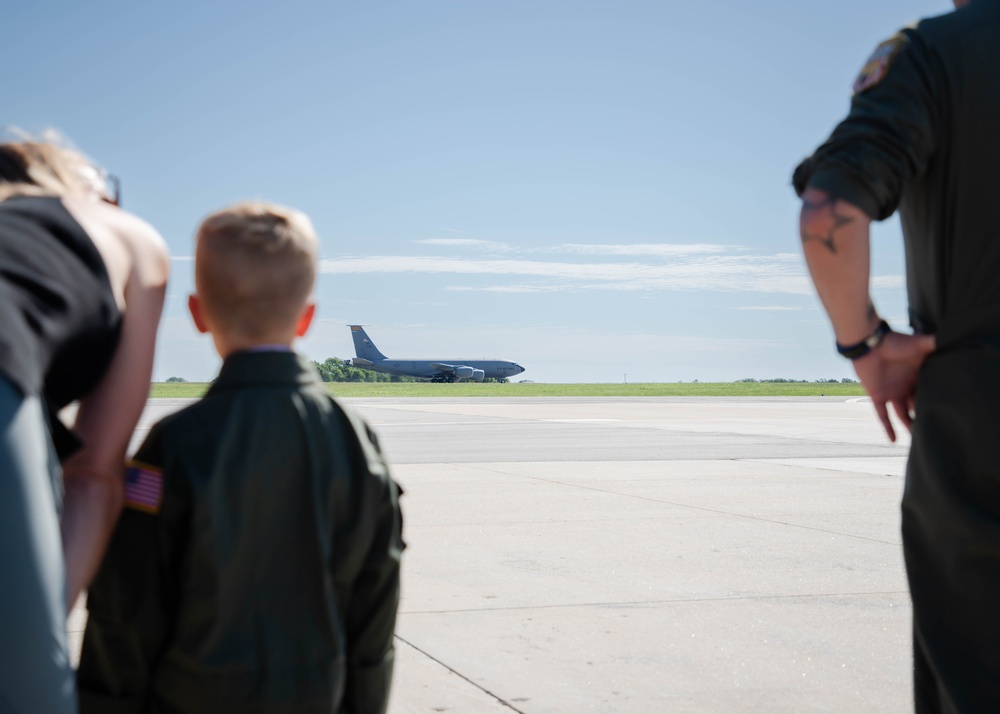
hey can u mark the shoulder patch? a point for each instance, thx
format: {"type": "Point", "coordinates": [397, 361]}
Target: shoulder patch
{"type": "Point", "coordinates": [143, 487]}
{"type": "Point", "coordinates": [877, 66]}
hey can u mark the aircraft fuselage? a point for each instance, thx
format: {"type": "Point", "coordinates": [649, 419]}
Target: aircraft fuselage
{"type": "Point", "coordinates": [451, 370]}
{"type": "Point", "coordinates": [428, 369]}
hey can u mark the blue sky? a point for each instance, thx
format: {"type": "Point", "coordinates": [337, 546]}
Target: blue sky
{"type": "Point", "coordinates": [597, 190]}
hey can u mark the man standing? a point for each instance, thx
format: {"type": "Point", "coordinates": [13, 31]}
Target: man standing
{"type": "Point", "coordinates": [923, 136]}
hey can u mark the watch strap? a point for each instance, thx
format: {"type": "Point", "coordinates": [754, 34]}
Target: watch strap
{"type": "Point", "coordinates": [860, 349]}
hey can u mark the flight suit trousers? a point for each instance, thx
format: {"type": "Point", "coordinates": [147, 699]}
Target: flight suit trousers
{"type": "Point", "coordinates": [951, 533]}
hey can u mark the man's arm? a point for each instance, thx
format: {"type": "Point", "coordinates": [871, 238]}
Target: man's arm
{"type": "Point", "coordinates": [835, 241]}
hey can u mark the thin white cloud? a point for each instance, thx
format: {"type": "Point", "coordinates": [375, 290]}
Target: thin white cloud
{"type": "Point", "coordinates": [516, 288]}
{"type": "Point", "coordinates": [780, 273]}
{"type": "Point", "coordinates": [468, 243]}
{"type": "Point", "coordinates": [654, 250]}
{"type": "Point", "coordinates": [888, 281]}
{"type": "Point", "coordinates": [773, 308]}
{"type": "Point", "coordinates": [703, 267]}
{"type": "Point", "coordinates": [664, 250]}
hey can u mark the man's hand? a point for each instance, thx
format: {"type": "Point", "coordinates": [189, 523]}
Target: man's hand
{"type": "Point", "coordinates": [889, 375]}
{"type": "Point", "coordinates": [835, 242]}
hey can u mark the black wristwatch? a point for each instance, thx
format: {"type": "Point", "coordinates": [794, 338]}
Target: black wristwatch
{"type": "Point", "coordinates": [860, 349]}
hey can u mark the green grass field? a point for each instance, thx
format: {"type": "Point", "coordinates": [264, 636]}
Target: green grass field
{"type": "Point", "coordinates": [534, 389]}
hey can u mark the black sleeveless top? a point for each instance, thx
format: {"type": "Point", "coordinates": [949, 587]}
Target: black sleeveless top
{"type": "Point", "coordinates": [59, 322]}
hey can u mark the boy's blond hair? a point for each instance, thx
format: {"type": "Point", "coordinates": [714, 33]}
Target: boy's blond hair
{"type": "Point", "coordinates": [255, 267]}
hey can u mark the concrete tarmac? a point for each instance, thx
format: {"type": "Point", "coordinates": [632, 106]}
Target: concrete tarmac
{"type": "Point", "coordinates": [644, 555]}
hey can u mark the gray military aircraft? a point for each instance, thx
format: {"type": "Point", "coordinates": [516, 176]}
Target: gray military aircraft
{"type": "Point", "coordinates": [447, 370]}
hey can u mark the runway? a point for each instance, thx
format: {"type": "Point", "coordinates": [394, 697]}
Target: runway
{"type": "Point", "coordinates": [645, 555]}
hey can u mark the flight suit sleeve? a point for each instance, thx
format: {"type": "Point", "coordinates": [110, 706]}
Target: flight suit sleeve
{"type": "Point", "coordinates": [130, 602]}
{"type": "Point", "coordinates": [889, 135]}
{"type": "Point", "coordinates": [370, 618]}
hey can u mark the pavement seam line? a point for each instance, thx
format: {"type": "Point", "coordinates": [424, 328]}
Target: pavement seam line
{"type": "Point", "coordinates": [781, 462]}
{"type": "Point", "coordinates": [640, 603]}
{"type": "Point", "coordinates": [708, 510]}
{"type": "Point", "coordinates": [459, 674]}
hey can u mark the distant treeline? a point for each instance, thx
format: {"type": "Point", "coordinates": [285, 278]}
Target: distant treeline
{"type": "Point", "coordinates": [781, 380]}
{"type": "Point", "coordinates": [337, 370]}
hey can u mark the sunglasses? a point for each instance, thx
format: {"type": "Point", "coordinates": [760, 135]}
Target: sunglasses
{"type": "Point", "coordinates": [105, 185]}
{"type": "Point", "coordinates": [112, 189]}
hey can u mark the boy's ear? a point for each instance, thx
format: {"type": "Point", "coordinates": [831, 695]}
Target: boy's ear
{"type": "Point", "coordinates": [194, 306]}
{"type": "Point", "coordinates": [305, 319]}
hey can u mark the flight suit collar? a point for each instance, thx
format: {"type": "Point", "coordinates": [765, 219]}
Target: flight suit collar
{"type": "Point", "coordinates": [257, 369]}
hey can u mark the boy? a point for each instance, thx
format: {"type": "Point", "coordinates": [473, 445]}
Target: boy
{"type": "Point", "coordinates": [256, 565]}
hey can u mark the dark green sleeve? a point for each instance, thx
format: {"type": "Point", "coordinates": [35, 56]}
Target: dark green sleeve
{"type": "Point", "coordinates": [887, 138]}
{"type": "Point", "coordinates": [370, 620]}
{"type": "Point", "coordinates": [129, 602]}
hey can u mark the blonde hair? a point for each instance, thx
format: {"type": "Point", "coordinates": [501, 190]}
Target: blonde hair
{"type": "Point", "coordinates": [45, 168]}
{"type": "Point", "coordinates": [255, 267]}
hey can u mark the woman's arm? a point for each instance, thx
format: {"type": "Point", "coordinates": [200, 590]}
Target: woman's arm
{"type": "Point", "coordinates": [93, 477]}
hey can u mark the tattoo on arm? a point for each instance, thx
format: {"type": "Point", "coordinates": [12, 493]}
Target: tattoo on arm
{"type": "Point", "coordinates": [826, 210]}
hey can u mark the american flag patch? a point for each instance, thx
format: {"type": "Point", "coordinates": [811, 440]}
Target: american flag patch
{"type": "Point", "coordinates": [143, 487]}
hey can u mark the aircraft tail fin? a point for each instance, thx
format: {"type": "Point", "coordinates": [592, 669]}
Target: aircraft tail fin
{"type": "Point", "coordinates": [363, 346]}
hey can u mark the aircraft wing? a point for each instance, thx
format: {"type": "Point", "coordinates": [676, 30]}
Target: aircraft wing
{"type": "Point", "coordinates": [460, 371]}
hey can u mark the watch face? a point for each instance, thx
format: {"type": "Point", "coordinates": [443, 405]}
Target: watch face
{"type": "Point", "coordinates": [875, 338]}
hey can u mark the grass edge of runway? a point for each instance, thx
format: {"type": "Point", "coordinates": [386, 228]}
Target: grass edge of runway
{"type": "Point", "coordinates": [181, 390]}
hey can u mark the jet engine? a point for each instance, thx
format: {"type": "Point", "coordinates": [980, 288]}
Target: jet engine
{"type": "Point", "coordinates": [464, 372]}
{"type": "Point", "coordinates": [478, 375]}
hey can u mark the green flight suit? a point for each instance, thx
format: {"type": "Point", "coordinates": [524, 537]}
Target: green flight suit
{"type": "Point", "coordinates": [257, 569]}
{"type": "Point", "coordinates": [923, 135]}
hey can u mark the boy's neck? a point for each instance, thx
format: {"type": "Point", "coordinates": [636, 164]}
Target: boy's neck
{"type": "Point", "coordinates": [270, 347]}
{"type": "Point", "coordinates": [227, 346]}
